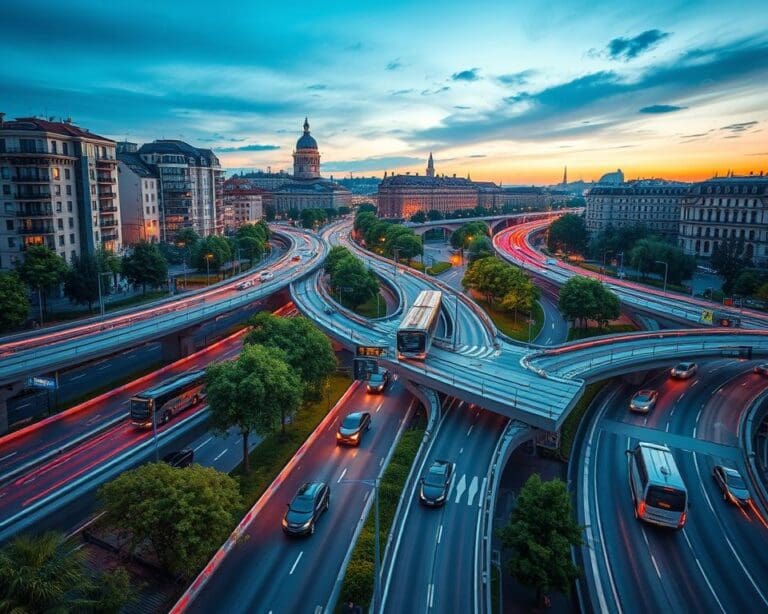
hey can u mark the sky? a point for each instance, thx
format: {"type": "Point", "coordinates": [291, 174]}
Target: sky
{"type": "Point", "coordinates": [504, 91]}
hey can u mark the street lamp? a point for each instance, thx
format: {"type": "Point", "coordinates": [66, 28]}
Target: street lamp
{"type": "Point", "coordinates": [183, 245]}
{"type": "Point", "coordinates": [101, 298]}
{"type": "Point", "coordinates": [376, 605]}
{"type": "Point", "coordinates": [208, 269]}
{"type": "Point", "coordinates": [666, 269]}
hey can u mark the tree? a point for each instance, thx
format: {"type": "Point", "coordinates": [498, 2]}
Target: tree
{"type": "Point", "coordinates": [419, 217]}
{"type": "Point", "coordinates": [344, 210]}
{"type": "Point", "coordinates": [252, 241]}
{"type": "Point", "coordinates": [145, 265]}
{"type": "Point", "coordinates": [366, 207]}
{"type": "Point", "coordinates": [583, 298]}
{"type": "Point", "coordinates": [746, 283]}
{"type": "Point", "coordinates": [493, 278]}
{"type": "Point", "coordinates": [363, 221]}
{"type": "Point", "coordinates": [480, 247]}
{"type": "Point", "coordinates": [335, 256]}
{"type": "Point", "coordinates": [521, 295]}
{"type": "Point", "coordinates": [42, 269]}
{"type": "Point", "coordinates": [14, 304]}
{"type": "Point", "coordinates": [253, 393]}
{"type": "Point", "coordinates": [568, 234]}
{"type": "Point", "coordinates": [211, 253]}
{"type": "Point", "coordinates": [434, 215]}
{"type": "Point", "coordinates": [109, 262]}
{"type": "Point", "coordinates": [650, 253]}
{"type": "Point", "coordinates": [540, 534]}
{"type": "Point", "coordinates": [376, 234]}
{"type": "Point", "coordinates": [183, 515]}
{"type": "Point", "coordinates": [188, 238]}
{"type": "Point", "coordinates": [729, 260]}
{"type": "Point", "coordinates": [307, 350]}
{"type": "Point", "coordinates": [310, 218]}
{"type": "Point", "coordinates": [81, 283]}
{"type": "Point", "coordinates": [467, 233]}
{"type": "Point", "coordinates": [46, 573]}
{"type": "Point", "coordinates": [269, 213]}
{"type": "Point", "coordinates": [356, 282]}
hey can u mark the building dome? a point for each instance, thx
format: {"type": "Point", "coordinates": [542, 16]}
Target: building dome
{"type": "Point", "coordinates": [306, 141]}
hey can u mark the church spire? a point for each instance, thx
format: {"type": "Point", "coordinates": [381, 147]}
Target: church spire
{"type": "Point", "coordinates": [565, 176]}
{"type": "Point", "coordinates": [430, 166]}
{"type": "Point", "coordinates": [306, 125]}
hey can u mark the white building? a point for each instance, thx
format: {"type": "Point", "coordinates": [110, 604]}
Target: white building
{"type": "Point", "coordinates": [58, 187]}
{"type": "Point", "coordinates": [139, 204]}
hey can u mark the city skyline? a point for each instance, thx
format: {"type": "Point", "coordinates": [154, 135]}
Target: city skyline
{"type": "Point", "coordinates": [508, 94]}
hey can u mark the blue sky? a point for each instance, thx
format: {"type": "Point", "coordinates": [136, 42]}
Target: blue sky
{"type": "Point", "coordinates": [504, 91]}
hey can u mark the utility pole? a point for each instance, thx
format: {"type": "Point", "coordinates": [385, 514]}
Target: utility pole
{"type": "Point", "coordinates": [666, 270]}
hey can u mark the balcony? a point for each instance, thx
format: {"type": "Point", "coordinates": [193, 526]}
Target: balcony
{"type": "Point", "coordinates": [106, 161]}
{"type": "Point", "coordinates": [43, 179]}
{"type": "Point", "coordinates": [107, 195]}
{"type": "Point", "coordinates": [23, 212]}
{"type": "Point", "coordinates": [107, 222]}
{"type": "Point", "coordinates": [105, 179]}
{"type": "Point", "coordinates": [37, 230]}
{"type": "Point", "coordinates": [108, 209]}
{"type": "Point", "coordinates": [108, 236]}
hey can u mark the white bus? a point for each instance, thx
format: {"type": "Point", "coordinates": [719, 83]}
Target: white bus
{"type": "Point", "coordinates": [417, 329]}
{"type": "Point", "coordinates": [167, 399]}
{"type": "Point", "coordinates": [657, 489]}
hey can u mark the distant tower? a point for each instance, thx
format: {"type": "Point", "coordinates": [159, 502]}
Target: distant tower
{"type": "Point", "coordinates": [565, 176]}
{"type": "Point", "coordinates": [430, 166]}
{"type": "Point", "coordinates": [306, 158]}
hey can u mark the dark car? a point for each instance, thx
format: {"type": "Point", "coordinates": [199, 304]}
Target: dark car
{"type": "Point", "coordinates": [310, 502]}
{"type": "Point", "coordinates": [434, 487]}
{"type": "Point", "coordinates": [762, 368]}
{"type": "Point", "coordinates": [643, 401]}
{"type": "Point", "coordinates": [732, 484]}
{"type": "Point", "coordinates": [378, 381]}
{"type": "Point", "coordinates": [352, 428]}
{"type": "Point", "coordinates": [684, 370]}
{"type": "Point", "coordinates": [180, 458]}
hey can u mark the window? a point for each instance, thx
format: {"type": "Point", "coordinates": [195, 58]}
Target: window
{"type": "Point", "coordinates": [61, 240]}
{"type": "Point", "coordinates": [57, 190]}
{"type": "Point", "coordinates": [9, 224]}
{"type": "Point", "coordinates": [5, 172]}
{"type": "Point", "coordinates": [12, 242]}
{"type": "Point", "coordinates": [69, 190]}
{"type": "Point", "coordinates": [74, 254]}
{"type": "Point", "coordinates": [65, 149]}
{"type": "Point", "coordinates": [58, 207]}
{"type": "Point", "coordinates": [60, 224]}
{"type": "Point", "coordinates": [6, 190]}
{"type": "Point", "coordinates": [54, 147]}
{"type": "Point", "coordinates": [9, 208]}
{"type": "Point", "coordinates": [71, 238]}
{"type": "Point", "coordinates": [146, 198]}
{"type": "Point", "coordinates": [66, 172]}
{"type": "Point", "coordinates": [96, 235]}
{"type": "Point", "coordinates": [55, 172]}
{"type": "Point", "coordinates": [69, 206]}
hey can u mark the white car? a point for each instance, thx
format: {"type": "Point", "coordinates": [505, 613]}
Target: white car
{"type": "Point", "coordinates": [244, 285]}
{"type": "Point", "coordinates": [684, 370]}
{"type": "Point", "coordinates": [266, 276]}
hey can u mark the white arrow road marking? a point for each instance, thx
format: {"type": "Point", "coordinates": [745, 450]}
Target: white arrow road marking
{"type": "Point", "coordinates": [461, 487]}
{"type": "Point", "coordinates": [472, 490]}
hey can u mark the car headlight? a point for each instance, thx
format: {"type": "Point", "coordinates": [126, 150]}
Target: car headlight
{"type": "Point", "coordinates": [306, 524]}
{"type": "Point", "coordinates": [285, 522]}
{"type": "Point", "coordinates": [355, 436]}
{"type": "Point", "coordinates": [440, 499]}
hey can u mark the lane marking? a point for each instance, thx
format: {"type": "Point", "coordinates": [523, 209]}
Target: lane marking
{"type": "Point", "coordinates": [220, 454]}
{"type": "Point", "coordinates": [378, 407]}
{"type": "Point", "coordinates": [2, 458]}
{"type": "Point", "coordinates": [439, 534]}
{"type": "Point", "coordinates": [701, 569]}
{"type": "Point", "coordinates": [653, 558]}
{"type": "Point", "coordinates": [472, 491]}
{"type": "Point", "coordinates": [341, 477]}
{"type": "Point", "coordinates": [296, 562]}
{"type": "Point", "coordinates": [483, 493]}
{"type": "Point", "coordinates": [202, 444]}
{"type": "Point", "coordinates": [430, 595]}
{"type": "Point", "coordinates": [470, 430]}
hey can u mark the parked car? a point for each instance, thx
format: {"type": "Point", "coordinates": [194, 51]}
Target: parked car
{"type": "Point", "coordinates": [732, 484]}
{"type": "Point", "coordinates": [180, 458]}
{"type": "Point", "coordinates": [762, 368]}
{"type": "Point", "coordinates": [266, 276]}
{"type": "Point", "coordinates": [643, 401]}
{"type": "Point", "coordinates": [435, 485]}
{"type": "Point", "coordinates": [329, 310]}
{"type": "Point", "coordinates": [378, 381]}
{"type": "Point", "coordinates": [244, 285]}
{"type": "Point", "coordinates": [352, 428]}
{"type": "Point", "coordinates": [309, 503]}
{"type": "Point", "coordinates": [684, 370]}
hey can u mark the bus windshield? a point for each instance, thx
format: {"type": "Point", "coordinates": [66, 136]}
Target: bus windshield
{"type": "Point", "coordinates": [411, 341]}
{"type": "Point", "coordinates": [140, 408]}
{"type": "Point", "coordinates": [669, 499]}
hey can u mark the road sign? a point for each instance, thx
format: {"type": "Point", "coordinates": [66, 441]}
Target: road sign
{"type": "Point", "coordinates": [548, 439]}
{"type": "Point", "coordinates": [372, 350]}
{"type": "Point", "coordinates": [706, 316]}
{"type": "Point", "coordinates": [41, 382]}
{"type": "Point", "coordinates": [364, 368]}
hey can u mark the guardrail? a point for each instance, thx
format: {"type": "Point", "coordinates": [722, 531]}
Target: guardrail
{"type": "Point", "coordinates": [752, 419]}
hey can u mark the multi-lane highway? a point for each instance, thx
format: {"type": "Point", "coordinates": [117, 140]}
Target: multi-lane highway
{"type": "Point", "coordinates": [716, 562]}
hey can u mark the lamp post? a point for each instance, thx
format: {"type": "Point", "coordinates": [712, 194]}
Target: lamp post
{"type": "Point", "coordinates": [40, 303]}
{"type": "Point", "coordinates": [396, 254]}
{"type": "Point", "coordinates": [208, 269]}
{"type": "Point", "coordinates": [183, 245]}
{"type": "Point", "coordinates": [376, 605]}
{"type": "Point", "coordinates": [621, 266]}
{"type": "Point", "coordinates": [455, 319]}
{"type": "Point", "coordinates": [101, 298]}
{"type": "Point", "coordinates": [666, 269]}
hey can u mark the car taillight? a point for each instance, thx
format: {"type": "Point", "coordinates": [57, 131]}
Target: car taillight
{"type": "Point", "coordinates": [641, 509]}
{"type": "Point", "coordinates": [682, 521]}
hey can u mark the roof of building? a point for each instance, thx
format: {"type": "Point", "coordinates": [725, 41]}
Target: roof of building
{"type": "Point", "coordinates": [311, 186]}
{"type": "Point", "coordinates": [642, 186]}
{"type": "Point", "coordinates": [65, 128]}
{"type": "Point", "coordinates": [425, 181]}
{"type": "Point", "coordinates": [203, 157]}
{"type": "Point", "coordinates": [306, 141]}
{"type": "Point", "coordinates": [614, 178]}
{"type": "Point", "coordinates": [733, 184]}
{"type": "Point", "coordinates": [136, 164]}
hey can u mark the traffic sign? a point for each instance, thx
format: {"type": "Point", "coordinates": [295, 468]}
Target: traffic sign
{"type": "Point", "coordinates": [41, 382]}
{"type": "Point", "coordinates": [707, 316]}
{"type": "Point", "coordinates": [372, 350]}
{"type": "Point", "coordinates": [364, 367]}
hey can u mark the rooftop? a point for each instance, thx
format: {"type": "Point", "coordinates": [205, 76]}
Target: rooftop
{"type": "Point", "coordinates": [65, 128]}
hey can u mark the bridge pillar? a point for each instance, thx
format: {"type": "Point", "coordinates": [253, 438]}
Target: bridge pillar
{"type": "Point", "coordinates": [6, 392]}
{"type": "Point", "coordinates": [177, 346]}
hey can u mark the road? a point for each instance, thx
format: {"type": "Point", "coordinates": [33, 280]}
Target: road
{"type": "Point", "coordinates": [713, 564]}
{"type": "Point", "coordinates": [270, 572]}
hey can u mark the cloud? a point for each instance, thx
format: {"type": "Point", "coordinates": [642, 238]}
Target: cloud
{"type": "Point", "coordinates": [466, 75]}
{"type": "Point", "coordinates": [740, 127]}
{"type": "Point", "coordinates": [461, 107]}
{"type": "Point", "coordinates": [438, 90]}
{"type": "Point", "coordinates": [402, 92]}
{"type": "Point", "coordinates": [758, 153]}
{"type": "Point", "coordinates": [394, 64]}
{"type": "Point", "coordinates": [317, 86]}
{"type": "Point", "coordinates": [661, 108]}
{"type": "Point", "coordinates": [516, 78]}
{"type": "Point", "coordinates": [372, 164]}
{"type": "Point", "coordinates": [629, 48]}
{"type": "Point", "coordinates": [247, 148]}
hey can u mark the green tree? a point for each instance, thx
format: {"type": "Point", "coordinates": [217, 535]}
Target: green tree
{"type": "Point", "coordinates": [521, 295]}
{"type": "Point", "coordinates": [188, 238]}
{"type": "Point", "coordinates": [310, 218]}
{"type": "Point", "coordinates": [367, 207]}
{"type": "Point", "coordinates": [145, 265]}
{"type": "Point", "coordinates": [14, 304]}
{"type": "Point", "coordinates": [109, 262]}
{"type": "Point", "coordinates": [746, 283]}
{"type": "Point", "coordinates": [336, 254]}
{"type": "Point", "coordinates": [363, 221]}
{"type": "Point", "coordinates": [42, 269]}
{"type": "Point", "coordinates": [307, 350]}
{"type": "Point", "coordinates": [269, 213]}
{"type": "Point", "coordinates": [46, 573]}
{"type": "Point", "coordinates": [376, 234]}
{"type": "Point", "coordinates": [419, 217]}
{"type": "Point", "coordinates": [353, 281]}
{"type": "Point", "coordinates": [583, 298]}
{"type": "Point", "coordinates": [182, 514]}
{"type": "Point", "coordinates": [480, 247]}
{"type": "Point", "coordinates": [729, 260]}
{"type": "Point", "coordinates": [434, 215]}
{"type": "Point", "coordinates": [464, 236]}
{"type": "Point", "coordinates": [344, 210]}
{"type": "Point", "coordinates": [406, 244]}
{"type": "Point", "coordinates": [649, 254]}
{"type": "Point", "coordinates": [493, 278]}
{"type": "Point", "coordinates": [253, 393]}
{"type": "Point", "coordinates": [568, 234]}
{"type": "Point", "coordinates": [213, 249]}
{"type": "Point", "coordinates": [252, 241]}
{"type": "Point", "coordinates": [81, 282]}
{"type": "Point", "coordinates": [540, 535]}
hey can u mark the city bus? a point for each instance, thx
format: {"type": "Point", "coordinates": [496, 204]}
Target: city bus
{"type": "Point", "coordinates": [658, 490]}
{"type": "Point", "coordinates": [417, 329]}
{"type": "Point", "coordinates": [167, 399]}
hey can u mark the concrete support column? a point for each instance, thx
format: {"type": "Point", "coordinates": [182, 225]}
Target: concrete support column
{"type": "Point", "coordinates": [6, 392]}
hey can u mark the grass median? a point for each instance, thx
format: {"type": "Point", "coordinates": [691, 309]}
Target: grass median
{"type": "Point", "coordinates": [517, 328]}
{"type": "Point", "coordinates": [574, 334]}
{"type": "Point", "coordinates": [358, 579]}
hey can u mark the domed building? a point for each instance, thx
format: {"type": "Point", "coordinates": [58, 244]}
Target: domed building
{"type": "Point", "coordinates": [306, 158]}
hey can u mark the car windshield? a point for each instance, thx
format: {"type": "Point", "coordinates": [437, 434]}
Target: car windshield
{"type": "Point", "coordinates": [435, 477]}
{"type": "Point", "coordinates": [352, 421]}
{"type": "Point", "coordinates": [735, 481]}
{"type": "Point", "coordinates": [376, 378]}
{"type": "Point", "coordinates": [302, 505]}
{"type": "Point", "coordinates": [642, 397]}
{"type": "Point", "coordinates": [684, 366]}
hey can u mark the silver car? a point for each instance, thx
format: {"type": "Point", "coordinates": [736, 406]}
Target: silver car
{"type": "Point", "coordinates": [643, 401]}
{"type": "Point", "coordinates": [684, 370]}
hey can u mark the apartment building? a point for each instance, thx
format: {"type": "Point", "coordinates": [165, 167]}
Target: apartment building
{"type": "Point", "coordinates": [139, 202]}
